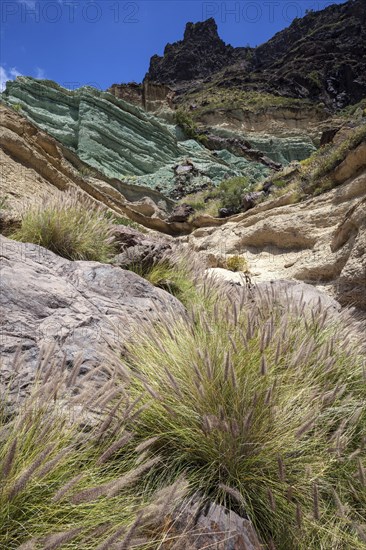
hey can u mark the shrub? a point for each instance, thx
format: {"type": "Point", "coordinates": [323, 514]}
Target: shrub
{"type": "Point", "coordinates": [237, 263]}
{"type": "Point", "coordinates": [261, 405]}
{"type": "Point", "coordinates": [204, 202]}
{"type": "Point", "coordinates": [231, 192]}
{"type": "Point", "coordinates": [189, 126]}
{"type": "Point", "coordinates": [70, 225]}
{"type": "Point", "coordinates": [17, 107]}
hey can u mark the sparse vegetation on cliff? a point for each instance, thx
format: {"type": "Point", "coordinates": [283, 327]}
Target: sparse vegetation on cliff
{"type": "Point", "coordinates": [213, 97]}
{"type": "Point", "coordinates": [315, 174]}
{"type": "Point", "coordinates": [189, 126]}
{"type": "Point", "coordinates": [229, 194]}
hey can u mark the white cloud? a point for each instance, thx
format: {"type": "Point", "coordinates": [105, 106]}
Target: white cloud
{"type": "Point", "coordinates": [40, 73]}
{"type": "Point", "coordinates": [7, 74]}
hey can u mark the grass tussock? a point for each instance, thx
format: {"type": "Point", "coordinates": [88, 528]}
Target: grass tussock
{"type": "Point", "coordinates": [72, 476]}
{"type": "Point", "coordinates": [70, 225]}
{"type": "Point", "coordinates": [177, 273]}
{"type": "Point", "coordinates": [262, 407]}
{"type": "Point", "coordinates": [237, 263]}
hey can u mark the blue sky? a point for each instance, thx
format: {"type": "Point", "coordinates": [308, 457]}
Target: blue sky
{"type": "Point", "coordinates": [101, 42]}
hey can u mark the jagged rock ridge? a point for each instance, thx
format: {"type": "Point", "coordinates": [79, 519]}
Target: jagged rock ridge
{"type": "Point", "coordinates": [200, 54]}
{"type": "Point", "coordinates": [321, 57]}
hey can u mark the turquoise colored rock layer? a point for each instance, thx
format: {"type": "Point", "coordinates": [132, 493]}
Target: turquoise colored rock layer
{"type": "Point", "coordinates": [120, 139]}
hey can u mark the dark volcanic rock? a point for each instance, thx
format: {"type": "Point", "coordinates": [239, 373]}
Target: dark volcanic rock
{"type": "Point", "coordinates": [328, 136]}
{"type": "Point", "coordinates": [250, 200]}
{"type": "Point", "coordinates": [181, 213]}
{"type": "Point", "coordinates": [200, 53]}
{"type": "Point", "coordinates": [241, 148]}
{"type": "Point", "coordinates": [138, 249]}
{"type": "Point", "coordinates": [321, 57]}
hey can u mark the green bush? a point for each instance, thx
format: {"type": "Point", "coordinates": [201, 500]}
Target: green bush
{"type": "Point", "coordinates": [17, 107]}
{"type": "Point", "coordinates": [204, 202]}
{"type": "Point", "coordinates": [231, 192]}
{"type": "Point", "coordinates": [189, 126]}
{"type": "Point", "coordinates": [261, 405]}
{"type": "Point", "coordinates": [70, 225]}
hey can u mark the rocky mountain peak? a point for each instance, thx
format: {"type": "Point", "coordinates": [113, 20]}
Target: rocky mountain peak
{"type": "Point", "coordinates": [202, 29]}
{"type": "Point", "coordinates": [201, 53]}
{"type": "Point", "coordinates": [320, 57]}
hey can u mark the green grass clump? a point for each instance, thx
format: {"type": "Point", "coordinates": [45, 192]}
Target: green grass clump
{"type": "Point", "coordinates": [204, 202]}
{"type": "Point", "coordinates": [173, 273]}
{"type": "Point", "coordinates": [16, 107]}
{"type": "Point", "coordinates": [71, 476]}
{"type": "Point", "coordinates": [229, 194]}
{"type": "Point", "coordinates": [261, 404]}
{"type": "Point", "coordinates": [70, 225]}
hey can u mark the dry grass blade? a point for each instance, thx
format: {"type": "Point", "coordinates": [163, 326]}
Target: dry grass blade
{"type": "Point", "coordinates": [9, 459]}
{"type": "Point", "coordinates": [52, 542]}
{"type": "Point", "coordinates": [67, 487]}
{"type": "Point", "coordinates": [131, 477]}
{"type": "Point", "coordinates": [21, 482]}
{"type": "Point", "coordinates": [116, 446]}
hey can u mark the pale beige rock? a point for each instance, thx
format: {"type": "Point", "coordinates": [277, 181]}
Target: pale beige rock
{"type": "Point", "coordinates": [321, 241]}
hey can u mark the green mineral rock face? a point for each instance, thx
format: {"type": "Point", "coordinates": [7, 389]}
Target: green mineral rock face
{"type": "Point", "coordinates": [282, 149]}
{"type": "Point", "coordinates": [122, 140]}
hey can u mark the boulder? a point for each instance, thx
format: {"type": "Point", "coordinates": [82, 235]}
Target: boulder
{"type": "Point", "coordinates": [181, 213]}
{"type": "Point", "coordinates": [250, 200]}
{"type": "Point", "coordinates": [226, 212]}
{"type": "Point", "coordinates": [9, 221]}
{"type": "Point", "coordinates": [149, 208]}
{"type": "Point", "coordinates": [213, 527]}
{"type": "Point", "coordinates": [141, 256]}
{"type": "Point", "coordinates": [138, 249]}
{"type": "Point", "coordinates": [328, 136]}
{"type": "Point", "coordinates": [75, 307]}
